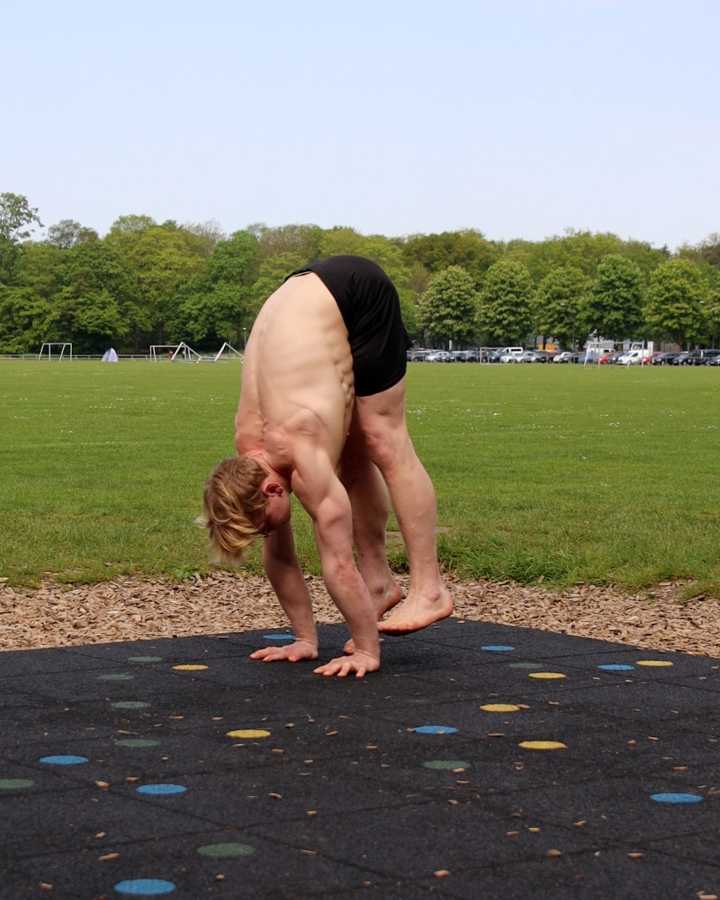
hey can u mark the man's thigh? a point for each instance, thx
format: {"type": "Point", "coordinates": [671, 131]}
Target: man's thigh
{"type": "Point", "coordinates": [381, 421]}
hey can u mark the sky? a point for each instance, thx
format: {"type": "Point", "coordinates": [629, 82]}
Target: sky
{"type": "Point", "coordinates": [520, 119]}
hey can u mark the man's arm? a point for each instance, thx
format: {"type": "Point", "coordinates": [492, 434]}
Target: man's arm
{"type": "Point", "coordinates": [325, 499]}
{"type": "Point", "coordinates": [286, 577]}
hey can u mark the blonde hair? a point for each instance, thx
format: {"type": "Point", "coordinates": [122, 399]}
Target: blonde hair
{"type": "Point", "coordinates": [231, 500]}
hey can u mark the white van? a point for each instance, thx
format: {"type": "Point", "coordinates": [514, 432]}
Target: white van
{"type": "Point", "coordinates": [510, 354]}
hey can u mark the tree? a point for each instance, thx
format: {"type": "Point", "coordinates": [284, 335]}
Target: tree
{"type": "Point", "coordinates": [67, 233]}
{"type": "Point", "coordinates": [558, 303]}
{"type": "Point", "coordinates": [676, 299]}
{"type": "Point", "coordinates": [435, 252]}
{"type": "Point", "coordinates": [16, 217]}
{"type": "Point", "coordinates": [712, 310]}
{"type": "Point", "coordinates": [447, 309]}
{"type": "Point", "coordinates": [504, 315]}
{"type": "Point", "coordinates": [614, 305]}
{"type": "Point", "coordinates": [23, 320]}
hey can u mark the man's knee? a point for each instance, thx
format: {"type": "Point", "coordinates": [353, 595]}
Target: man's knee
{"type": "Point", "coordinates": [386, 445]}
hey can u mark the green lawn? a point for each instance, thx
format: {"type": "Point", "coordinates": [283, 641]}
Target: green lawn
{"type": "Point", "coordinates": [557, 473]}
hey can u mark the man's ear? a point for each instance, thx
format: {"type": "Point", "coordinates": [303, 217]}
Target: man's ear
{"type": "Point", "coordinates": [272, 488]}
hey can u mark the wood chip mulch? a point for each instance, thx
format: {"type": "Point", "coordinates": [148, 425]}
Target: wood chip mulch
{"type": "Point", "coordinates": [130, 609]}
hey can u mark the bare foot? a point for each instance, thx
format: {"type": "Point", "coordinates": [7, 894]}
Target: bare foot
{"type": "Point", "coordinates": [416, 613]}
{"type": "Point", "coordinates": [391, 596]}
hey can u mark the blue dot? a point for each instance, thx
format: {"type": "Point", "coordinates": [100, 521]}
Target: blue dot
{"type": "Point", "coordinates": [435, 729]}
{"type": "Point", "coordinates": [279, 637]}
{"type": "Point", "coordinates": [161, 790]}
{"type": "Point", "coordinates": [677, 798]}
{"type": "Point", "coordinates": [144, 887]}
{"type": "Point", "coordinates": [63, 760]}
{"type": "Point", "coordinates": [497, 648]}
{"type": "Point", "coordinates": [616, 667]}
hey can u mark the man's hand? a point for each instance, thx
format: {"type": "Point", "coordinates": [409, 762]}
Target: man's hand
{"type": "Point", "coordinates": [291, 652]}
{"type": "Point", "coordinates": [342, 666]}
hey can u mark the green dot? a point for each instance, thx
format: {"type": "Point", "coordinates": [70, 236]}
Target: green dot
{"type": "Point", "coordinates": [15, 784]}
{"type": "Point", "coordinates": [225, 851]}
{"type": "Point", "coordinates": [118, 676]}
{"type": "Point", "coordinates": [145, 659]}
{"type": "Point", "coordinates": [140, 743]}
{"type": "Point", "coordinates": [525, 665]}
{"type": "Point", "coordinates": [130, 704]}
{"type": "Point", "coordinates": [447, 764]}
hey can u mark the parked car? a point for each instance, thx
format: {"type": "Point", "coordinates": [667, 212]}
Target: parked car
{"type": "Point", "coordinates": [544, 356]}
{"type": "Point", "coordinates": [701, 357]}
{"type": "Point", "coordinates": [511, 354]}
{"type": "Point", "coordinates": [715, 361]}
{"type": "Point", "coordinates": [663, 359]}
{"type": "Point", "coordinates": [565, 357]}
{"type": "Point", "coordinates": [439, 356]}
{"type": "Point", "coordinates": [680, 359]}
{"type": "Point", "coordinates": [466, 355]}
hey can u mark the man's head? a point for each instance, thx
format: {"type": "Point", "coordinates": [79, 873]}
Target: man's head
{"type": "Point", "coordinates": [242, 499]}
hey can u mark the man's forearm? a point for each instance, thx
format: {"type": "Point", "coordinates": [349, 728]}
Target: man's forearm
{"type": "Point", "coordinates": [288, 582]}
{"type": "Point", "coordinates": [349, 592]}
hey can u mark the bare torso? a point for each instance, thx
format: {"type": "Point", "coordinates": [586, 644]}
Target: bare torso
{"type": "Point", "coordinates": [297, 374]}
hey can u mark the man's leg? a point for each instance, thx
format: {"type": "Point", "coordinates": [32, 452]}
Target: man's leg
{"type": "Point", "coordinates": [370, 510]}
{"type": "Point", "coordinates": [381, 418]}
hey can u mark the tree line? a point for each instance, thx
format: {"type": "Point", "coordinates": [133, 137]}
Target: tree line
{"type": "Point", "coordinates": [146, 282]}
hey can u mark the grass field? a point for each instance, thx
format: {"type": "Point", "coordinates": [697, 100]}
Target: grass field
{"type": "Point", "coordinates": [552, 473]}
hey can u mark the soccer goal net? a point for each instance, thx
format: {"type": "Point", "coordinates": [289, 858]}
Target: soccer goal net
{"type": "Point", "coordinates": [227, 351]}
{"type": "Point", "coordinates": [173, 352]}
{"type": "Point", "coordinates": [56, 350]}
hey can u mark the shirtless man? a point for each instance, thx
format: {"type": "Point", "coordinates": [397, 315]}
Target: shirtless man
{"type": "Point", "coordinates": [322, 415]}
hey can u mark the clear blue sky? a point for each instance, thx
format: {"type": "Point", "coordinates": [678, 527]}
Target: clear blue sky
{"type": "Point", "coordinates": [520, 119]}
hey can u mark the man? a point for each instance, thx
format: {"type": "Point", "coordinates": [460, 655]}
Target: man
{"type": "Point", "coordinates": [322, 415]}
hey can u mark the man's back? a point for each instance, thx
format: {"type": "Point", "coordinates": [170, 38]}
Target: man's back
{"type": "Point", "coordinates": [297, 362]}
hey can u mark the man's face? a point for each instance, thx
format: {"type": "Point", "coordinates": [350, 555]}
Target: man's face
{"type": "Point", "coordinates": [277, 512]}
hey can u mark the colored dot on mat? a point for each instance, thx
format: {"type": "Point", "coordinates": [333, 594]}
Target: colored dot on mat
{"type": "Point", "coordinates": [676, 798]}
{"type": "Point", "coordinates": [279, 637]}
{"type": "Point", "coordinates": [144, 659]}
{"type": "Point", "coordinates": [525, 665]}
{"type": "Point", "coordinates": [119, 676]}
{"type": "Point", "coordinates": [497, 648]}
{"type": "Point", "coordinates": [144, 887]}
{"type": "Point", "coordinates": [543, 745]}
{"type": "Point", "coordinates": [547, 676]}
{"type": "Point", "coordinates": [137, 742]}
{"type": "Point", "coordinates": [500, 707]}
{"type": "Point", "coordinates": [654, 663]}
{"type": "Point", "coordinates": [15, 784]}
{"type": "Point", "coordinates": [161, 790]}
{"type": "Point", "coordinates": [130, 704]}
{"type": "Point", "coordinates": [435, 729]}
{"type": "Point", "coordinates": [448, 764]}
{"type": "Point", "coordinates": [249, 733]}
{"type": "Point", "coordinates": [616, 667]}
{"type": "Point", "coordinates": [67, 760]}
{"type": "Point", "coordinates": [189, 667]}
{"type": "Point", "coordinates": [226, 851]}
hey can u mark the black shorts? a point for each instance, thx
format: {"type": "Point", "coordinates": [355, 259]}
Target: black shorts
{"type": "Point", "coordinates": [370, 307]}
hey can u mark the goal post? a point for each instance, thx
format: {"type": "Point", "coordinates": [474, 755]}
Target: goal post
{"type": "Point", "coordinates": [165, 350]}
{"type": "Point", "coordinates": [228, 350]}
{"type": "Point", "coordinates": [185, 352]}
{"type": "Point", "coordinates": [56, 349]}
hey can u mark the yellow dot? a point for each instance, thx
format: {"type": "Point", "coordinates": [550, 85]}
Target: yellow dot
{"type": "Point", "coordinates": [249, 733]}
{"type": "Point", "coordinates": [189, 667]}
{"type": "Point", "coordinates": [654, 663]}
{"type": "Point", "coordinates": [543, 745]}
{"type": "Point", "coordinates": [499, 707]}
{"type": "Point", "coordinates": [546, 676]}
